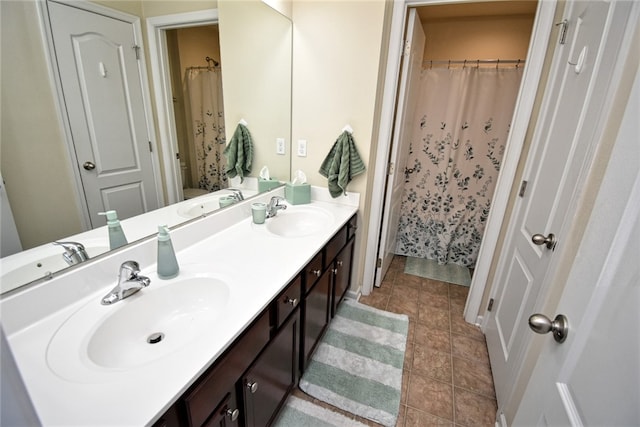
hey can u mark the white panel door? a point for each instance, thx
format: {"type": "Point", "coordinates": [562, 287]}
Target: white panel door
{"type": "Point", "coordinates": [580, 79]}
{"type": "Point", "coordinates": [593, 377]}
{"type": "Point", "coordinates": [100, 75]}
{"type": "Point", "coordinates": [408, 90]}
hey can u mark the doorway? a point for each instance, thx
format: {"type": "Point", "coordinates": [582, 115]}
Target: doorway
{"type": "Point", "coordinates": [157, 28]}
{"type": "Point", "coordinates": [542, 29]}
{"type": "Point", "coordinates": [469, 81]}
{"type": "Point", "coordinates": [193, 55]}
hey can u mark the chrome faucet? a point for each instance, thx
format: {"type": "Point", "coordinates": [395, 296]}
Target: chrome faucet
{"type": "Point", "coordinates": [74, 252]}
{"type": "Point", "coordinates": [274, 206]}
{"type": "Point", "coordinates": [236, 194]}
{"type": "Point", "coordinates": [129, 282]}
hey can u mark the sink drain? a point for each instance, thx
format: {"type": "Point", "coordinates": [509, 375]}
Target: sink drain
{"type": "Point", "coordinates": [155, 338]}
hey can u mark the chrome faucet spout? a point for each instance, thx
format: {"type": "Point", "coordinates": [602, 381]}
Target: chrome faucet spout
{"type": "Point", "coordinates": [129, 282]}
{"type": "Point", "coordinates": [74, 252]}
{"type": "Point", "coordinates": [274, 206]}
{"type": "Point", "coordinates": [236, 194]}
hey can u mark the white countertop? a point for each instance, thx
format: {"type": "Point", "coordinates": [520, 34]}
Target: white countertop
{"type": "Point", "coordinates": [256, 264]}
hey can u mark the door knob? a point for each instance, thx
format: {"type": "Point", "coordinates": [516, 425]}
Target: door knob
{"type": "Point", "coordinates": [541, 324]}
{"type": "Point", "coordinates": [89, 166]}
{"type": "Point", "coordinates": [550, 240]}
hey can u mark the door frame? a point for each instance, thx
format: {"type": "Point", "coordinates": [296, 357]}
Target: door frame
{"type": "Point", "coordinates": [161, 79]}
{"type": "Point", "coordinates": [535, 61]}
{"type": "Point", "coordinates": [56, 81]}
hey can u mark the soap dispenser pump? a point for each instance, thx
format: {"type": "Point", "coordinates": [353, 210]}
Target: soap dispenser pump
{"type": "Point", "coordinates": [116, 235]}
{"type": "Point", "coordinates": [167, 263]}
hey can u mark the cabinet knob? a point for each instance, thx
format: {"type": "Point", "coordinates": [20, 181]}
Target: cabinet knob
{"type": "Point", "coordinates": [316, 273]}
{"type": "Point", "coordinates": [339, 263]}
{"type": "Point", "coordinates": [334, 271]}
{"type": "Point", "coordinates": [291, 301]}
{"type": "Point", "coordinates": [232, 414]}
{"type": "Point", "coordinates": [252, 386]}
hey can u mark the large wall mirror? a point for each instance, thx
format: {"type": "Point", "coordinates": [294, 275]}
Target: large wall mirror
{"type": "Point", "coordinates": [40, 170]}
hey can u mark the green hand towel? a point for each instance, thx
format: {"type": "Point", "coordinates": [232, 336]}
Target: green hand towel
{"type": "Point", "coordinates": [342, 164]}
{"type": "Point", "coordinates": [239, 153]}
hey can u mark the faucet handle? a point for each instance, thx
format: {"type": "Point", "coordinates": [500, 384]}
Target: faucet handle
{"type": "Point", "coordinates": [74, 252]}
{"type": "Point", "coordinates": [128, 270]}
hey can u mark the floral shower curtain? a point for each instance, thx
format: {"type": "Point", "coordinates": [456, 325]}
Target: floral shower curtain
{"type": "Point", "coordinates": [204, 91]}
{"type": "Point", "coordinates": [461, 121]}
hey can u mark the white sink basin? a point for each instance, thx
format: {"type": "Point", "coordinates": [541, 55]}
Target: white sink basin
{"type": "Point", "coordinates": [299, 221]}
{"type": "Point", "coordinates": [200, 205]}
{"type": "Point", "coordinates": [153, 323]}
{"type": "Point", "coordinates": [38, 263]}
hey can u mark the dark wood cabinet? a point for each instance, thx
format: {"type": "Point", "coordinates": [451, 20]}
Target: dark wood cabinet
{"type": "Point", "coordinates": [249, 383]}
{"type": "Point", "coordinates": [316, 315]}
{"type": "Point", "coordinates": [341, 275]}
{"type": "Point", "coordinates": [269, 381]}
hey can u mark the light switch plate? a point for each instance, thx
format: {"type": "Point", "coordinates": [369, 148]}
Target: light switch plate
{"type": "Point", "coordinates": [280, 146]}
{"type": "Point", "coordinates": [302, 148]}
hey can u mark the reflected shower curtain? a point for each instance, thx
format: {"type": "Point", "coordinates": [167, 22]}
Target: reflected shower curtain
{"type": "Point", "coordinates": [204, 92]}
{"type": "Point", "coordinates": [462, 122]}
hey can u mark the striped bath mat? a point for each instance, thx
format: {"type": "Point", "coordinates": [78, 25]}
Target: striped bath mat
{"type": "Point", "coordinates": [358, 363]}
{"type": "Point", "coordinates": [299, 412]}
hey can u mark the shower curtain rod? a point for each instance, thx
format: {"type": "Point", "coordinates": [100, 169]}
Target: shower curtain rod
{"type": "Point", "coordinates": [208, 67]}
{"type": "Point", "coordinates": [472, 62]}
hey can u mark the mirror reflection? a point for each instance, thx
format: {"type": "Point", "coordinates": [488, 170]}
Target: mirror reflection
{"type": "Point", "coordinates": [43, 175]}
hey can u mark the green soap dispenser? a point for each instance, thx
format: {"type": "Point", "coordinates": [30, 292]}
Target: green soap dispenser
{"type": "Point", "coordinates": [167, 263]}
{"type": "Point", "coordinates": [116, 235]}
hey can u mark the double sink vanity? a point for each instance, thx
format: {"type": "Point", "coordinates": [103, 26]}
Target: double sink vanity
{"type": "Point", "coordinates": [221, 344]}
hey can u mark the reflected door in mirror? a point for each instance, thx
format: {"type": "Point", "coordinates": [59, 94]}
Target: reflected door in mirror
{"type": "Point", "coordinates": [98, 61]}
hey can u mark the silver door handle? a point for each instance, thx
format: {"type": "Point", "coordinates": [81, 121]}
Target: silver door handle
{"type": "Point", "coordinates": [550, 240]}
{"type": "Point", "coordinates": [541, 324]}
{"type": "Point", "coordinates": [89, 166]}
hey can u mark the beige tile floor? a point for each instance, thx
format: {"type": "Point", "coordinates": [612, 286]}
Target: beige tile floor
{"type": "Point", "coordinates": [447, 377]}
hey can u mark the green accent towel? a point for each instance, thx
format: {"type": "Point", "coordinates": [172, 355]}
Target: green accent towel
{"type": "Point", "coordinates": [342, 164]}
{"type": "Point", "coordinates": [239, 153]}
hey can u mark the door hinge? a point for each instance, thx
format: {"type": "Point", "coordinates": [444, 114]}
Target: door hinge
{"type": "Point", "coordinates": [150, 147]}
{"type": "Point", "coordinates": [137, 49]}
{"type": "Point", "coordinates": [407, 47]}
{"type": "Point", "coordinates": [490, 306]}
{"type": "Point", "coordinates": [177, 156]}
{"type": "Point", "coordinates": [563, 30]}
{"type": "Point", "coordinates": [523, 188]}
{"type": "Point", "coordinates": [379, 263]}
{"type": "Point", "coordinates": [390, 168]}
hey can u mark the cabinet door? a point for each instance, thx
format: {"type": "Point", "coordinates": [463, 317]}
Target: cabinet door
{"type": "Point", "coordinates": [316, 314]}
{"type": "Point", "coordinates": [272, 377]}
{"type": "Point", "coordinates": [226, 414]}
{"type": "Point", "coordinates": [342, 275]}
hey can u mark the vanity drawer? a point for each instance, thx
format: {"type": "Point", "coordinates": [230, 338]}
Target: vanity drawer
{"type": "Point", "coordinates": [335, 245]}
{"type": "Point", "coordinates": [312, 271]}
{"type": "Point", "coordinates": [288, 301]}
{"type": "Point", "coordinates": [215, 385]}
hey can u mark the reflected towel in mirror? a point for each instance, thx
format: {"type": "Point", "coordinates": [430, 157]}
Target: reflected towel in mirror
{"type": "Point", "coordinates": [239, 153]}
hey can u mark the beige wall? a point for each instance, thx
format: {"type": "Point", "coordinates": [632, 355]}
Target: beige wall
{"type": "Point", "coordinates": [337, 47]}
{"type": "Point", "coordinates": [497, 37]}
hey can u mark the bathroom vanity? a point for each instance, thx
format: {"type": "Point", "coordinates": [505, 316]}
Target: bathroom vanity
{"type": "Point", "coordinates": [256, 299]}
